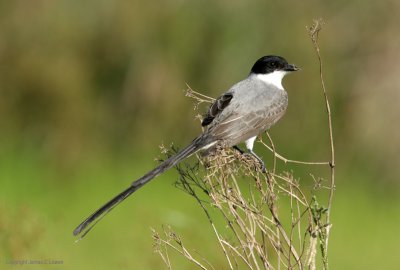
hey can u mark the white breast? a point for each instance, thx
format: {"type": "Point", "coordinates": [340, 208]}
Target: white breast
{"type": "Point", "coordinates": [274, 78]}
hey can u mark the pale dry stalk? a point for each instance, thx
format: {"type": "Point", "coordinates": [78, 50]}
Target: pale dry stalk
{"type": "Point", "coordinates": [271, 221]}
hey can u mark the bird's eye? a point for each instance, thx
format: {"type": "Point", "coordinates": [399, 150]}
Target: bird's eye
{"type": "Point", "coordinates": [273, 64]}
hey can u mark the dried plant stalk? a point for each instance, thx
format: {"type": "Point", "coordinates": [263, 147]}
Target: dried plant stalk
{"type": "Point", "coordinates": [255, 234]}
{"type": "Point", "coordinates": [314, 31]}
{"type": "Point", "coordinates": [271, 222]}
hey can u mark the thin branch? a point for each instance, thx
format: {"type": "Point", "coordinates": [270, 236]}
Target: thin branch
{"type": "Point", "coordinates": [314, 32]}
{"type": "Point", "coordinates": [286, 160]}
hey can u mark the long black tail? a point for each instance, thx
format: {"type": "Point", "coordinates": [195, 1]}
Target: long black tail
{"type": "Point", "coordinates": [167, 164]}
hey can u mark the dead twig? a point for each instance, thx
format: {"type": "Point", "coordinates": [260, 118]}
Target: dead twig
{"type": "Point", "coordinates": [271, 221]}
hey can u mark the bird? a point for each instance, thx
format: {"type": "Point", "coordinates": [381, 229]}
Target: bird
{"type": "Point", "coordinates": [248, 108]}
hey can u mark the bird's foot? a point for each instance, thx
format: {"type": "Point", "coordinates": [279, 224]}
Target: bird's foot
{"type": "Point", "coordinates": [238, 149]}
{"type": "Point", "coordinates": [253, 154]}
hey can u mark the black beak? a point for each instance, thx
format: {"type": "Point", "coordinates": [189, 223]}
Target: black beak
{"type": "Point", "coordinates": [291, 67]}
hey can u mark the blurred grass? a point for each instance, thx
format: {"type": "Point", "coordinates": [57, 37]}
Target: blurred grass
{"type": "Point", "coordinates": [88, 91]}
{"type": "Point", "coordinates": [38, 215]}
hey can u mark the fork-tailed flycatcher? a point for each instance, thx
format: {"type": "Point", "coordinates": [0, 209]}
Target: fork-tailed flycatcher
{"type": "Point", "coordinates": [248, 108]}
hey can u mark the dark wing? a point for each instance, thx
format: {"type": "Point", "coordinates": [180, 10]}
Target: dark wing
{"type": "Point", "coordinates": [216, 108]}
{"type": "Point", "coordinates": [237, 128]}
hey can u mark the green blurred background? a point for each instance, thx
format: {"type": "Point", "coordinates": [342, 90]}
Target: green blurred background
{"type": "Point", "coordinates": [90, 89]}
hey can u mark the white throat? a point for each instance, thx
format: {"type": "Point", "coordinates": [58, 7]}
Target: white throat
{"type": "Point", "coordinates": [274, 78]}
